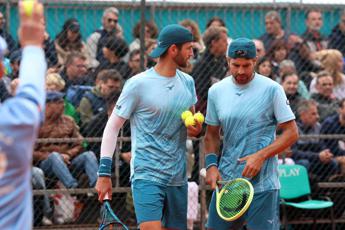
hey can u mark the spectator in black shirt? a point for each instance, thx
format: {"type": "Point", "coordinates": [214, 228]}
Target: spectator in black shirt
{"type": "Point", "coordinates": [311, 152]}
{"type": "Point", "coordinates": [337, 36]}
{"type": "Point", "coordinates": [115, 48]}
{"type": "Point", "coordinates": [212, 65]}
{"type": "Point", "coordinates": [11, 43]}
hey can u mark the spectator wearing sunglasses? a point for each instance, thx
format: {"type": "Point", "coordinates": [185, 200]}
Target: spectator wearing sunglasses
{"type": "Point", "coordinates": [110, 29]}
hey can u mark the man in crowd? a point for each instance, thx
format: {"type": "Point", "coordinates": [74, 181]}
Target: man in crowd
{"type": "Point", "coordinates": [337, 36]}
{"type": "Point", "coordinates": [63, 160]}
{"type": "Point", "coordinates": [274, 30]}
{"type": "Point", "coordinates": [327, 103]}
{"type": "Point", "coordinates": [212, 67]}
{"type": "Point", "coordinates": [93, 102]}
{"type": "Point", "coordinates": [312, 36]}
{"type": "Point", "coordinates": [312, 153]}
{"type": "Point", "coordinates": [111, 28]}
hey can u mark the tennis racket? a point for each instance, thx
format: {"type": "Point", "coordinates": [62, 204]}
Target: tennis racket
{"type": "Point", "coordinates": [109, 219]}
{"type": "Point", "coordinates": [234, 198]}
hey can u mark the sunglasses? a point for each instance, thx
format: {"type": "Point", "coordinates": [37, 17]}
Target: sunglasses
{"type": "Point", "coordinates": [241, 53]}
{"type": "Point", "coordinates": [110, 20]}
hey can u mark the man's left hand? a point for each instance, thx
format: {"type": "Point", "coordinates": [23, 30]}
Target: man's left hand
{"type": "Point", "coordinates": [194, 130]}
{"type": "Point", "coordinates": [253, 166]}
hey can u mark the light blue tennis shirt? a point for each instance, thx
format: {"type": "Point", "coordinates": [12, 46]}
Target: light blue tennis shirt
{"type": "Point", "coordinates": [20, 118]}
{"type": "Point", "coordinates": [248, 116]}
{"type": "Point", "coordinates": [154, 104]}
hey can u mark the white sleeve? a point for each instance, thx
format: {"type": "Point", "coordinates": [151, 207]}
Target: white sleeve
{"type": "Point", "coordinates": [110, 134]}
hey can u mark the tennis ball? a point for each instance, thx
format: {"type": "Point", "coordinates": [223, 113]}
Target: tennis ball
{"type": "Point", "coordinates": [186, 114]}
{"type": "Point", "coordinates": [199, 117]}
{"type": "Point", "coordinates": [189, 121]}
{"type": "Point", "coordinates": [28, 6]}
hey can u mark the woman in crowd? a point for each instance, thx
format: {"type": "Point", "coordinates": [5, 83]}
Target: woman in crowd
{"type": "Point", "coordinates": [332, 61]}
{"type": "Point", "coordinates": [69, 40]}
{"type": "Point", "coordinates": [277, 53]}
{"type": "Point", "coordinates": [151, 32]}
{"type": "Point", "coordinates": [198, 45]}
{"type": "Point", "coordinates": [264, 67]}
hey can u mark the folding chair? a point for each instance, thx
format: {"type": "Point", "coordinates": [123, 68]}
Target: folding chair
{"type": "Point", "coordinates": [295, 184]}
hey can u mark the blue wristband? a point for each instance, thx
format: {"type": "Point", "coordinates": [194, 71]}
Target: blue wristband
{"type": "Point", "coordinates": [211, 159]}
{"type": "Point", "coordinates": [105, 167]}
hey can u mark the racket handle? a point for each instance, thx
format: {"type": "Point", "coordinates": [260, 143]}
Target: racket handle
{"type": "Point", "coordinates": [222, 182]}
{"type": "Point", "coordinates": [203, 174]}
{"type": "Point", "coordinates": [106, 197]}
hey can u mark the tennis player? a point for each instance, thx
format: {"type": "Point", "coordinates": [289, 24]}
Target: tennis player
{"type": "Point", "coordinates": [20, 117]}
{"type": "Point", "coordinates": [248, 108]}
{"type": "Point", "coordinates": [153, 101]}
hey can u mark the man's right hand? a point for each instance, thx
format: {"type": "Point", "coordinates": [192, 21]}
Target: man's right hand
{"type": "Point", "coordinates": [66, 158]}
{"type": "Point", "coordinates": [127, 156]}
{"type": "Point", "coordinates": [103, 187]}
{"type": "Point", "coordinates": [31, 30]}
{"type": "Point", "coordinates": [212, 176]}
{"type": "Point", "coordinates": [325, 156]}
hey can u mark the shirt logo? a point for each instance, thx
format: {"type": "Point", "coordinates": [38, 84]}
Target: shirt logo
{"type": "Point", "coordinates": [238, 94]}
{"type": "Point", "coordinates": [170, 87]}
{"type": "Point", "coordinates": [270, 221]}
{"type": "Point", "coordinates": [118, 107]}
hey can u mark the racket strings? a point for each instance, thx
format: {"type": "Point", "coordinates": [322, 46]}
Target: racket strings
{"type": "Point", "coordinates": [233, 199]}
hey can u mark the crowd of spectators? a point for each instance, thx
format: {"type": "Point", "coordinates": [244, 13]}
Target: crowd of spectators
{"type": "Point", "coordinates": [85, 79]}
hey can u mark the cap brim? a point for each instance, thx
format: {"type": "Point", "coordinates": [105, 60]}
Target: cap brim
{"type": "Point", "coordinates": [157, 52]}
{"type": "Point", "coordinates": [56, 97]}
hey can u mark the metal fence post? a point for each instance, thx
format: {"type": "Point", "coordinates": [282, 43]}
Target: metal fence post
{"type": "Point", "coordinates": [203, 205]}
{"type": "Point", "coordinates": [142, 35]}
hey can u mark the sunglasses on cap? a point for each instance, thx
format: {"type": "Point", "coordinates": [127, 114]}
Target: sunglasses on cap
{"type": "Point", "coordinates": [241, 53]}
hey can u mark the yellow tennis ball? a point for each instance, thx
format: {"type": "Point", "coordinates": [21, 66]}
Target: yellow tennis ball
{"type": "Point", "coordinates": [189, 121]}
{"type": "Point", "coordinates": [199, 117]}
{"type": "Point", "coordinates": [28, 6]}
{"type": "Point", "coordinates": [186, 114]}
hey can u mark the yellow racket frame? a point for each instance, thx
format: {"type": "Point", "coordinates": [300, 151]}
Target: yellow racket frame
{"type": "Point", "coordinates": [246, 206]}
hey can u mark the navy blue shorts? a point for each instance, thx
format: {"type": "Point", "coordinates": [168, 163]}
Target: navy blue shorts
{"type": "Point", "coordinates": [262, 214]}
{"type": "Point", "coordinates": [157, 202]}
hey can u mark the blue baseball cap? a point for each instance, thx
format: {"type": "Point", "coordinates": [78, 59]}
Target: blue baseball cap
{"type": "Point", "coordinates": [242, 48]}
{"type": "Point", "coordinates": [169, 35]}
{"type": "Point", "coordinates": [54, 96]}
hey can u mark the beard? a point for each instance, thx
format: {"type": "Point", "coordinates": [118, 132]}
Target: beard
{"type": "Point", "coordinates": [243, 78]}
{"type": "Point", "coordinates": [180, 61]}
{"type": "Point", "coordinates": [315, 28]}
